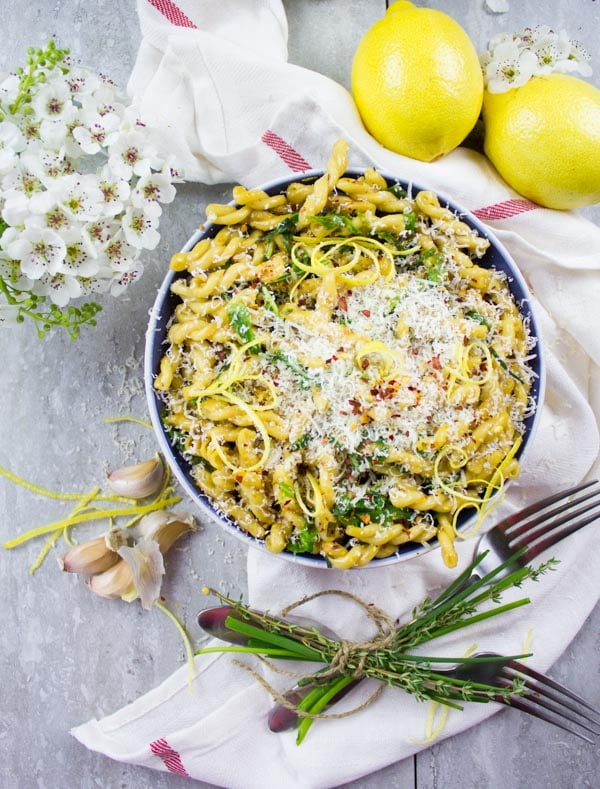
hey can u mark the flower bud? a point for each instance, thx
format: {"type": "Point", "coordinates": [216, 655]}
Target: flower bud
{"type": "Point", "coordinates": [90, 558]}
{"type": "Point", "coordinates": [114, 582]}
{"type": "Point", "coordinates": [138, 481]}
{"type": "Point", "coordinates": [166, 527]}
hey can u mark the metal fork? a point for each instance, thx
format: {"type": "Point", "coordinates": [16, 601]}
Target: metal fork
{"type": "Point", "coordinates": [531, 531]}
{"type": "Point", "coordinates": [538, 527]}
{"type": "Point", "coordinates": [539, 695]}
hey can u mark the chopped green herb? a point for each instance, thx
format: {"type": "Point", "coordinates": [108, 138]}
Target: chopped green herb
{"type": "Point", "coordinates": [434, 263]}
{"type": "Point", "coordinates": [300, 443]}
{"type": "Point", "coordinates": [504, 365]}
{"type": "Point", "coordinates": [269, 300]}
{"type": "Point", "coordinates": [373, 508]}
{"type": "Point", "coordinates": [397, 190]}
{"type": "Point", "coordinates": [239, 317]}
{"type": "Point", "coordinates": [287, 490]}
{"type": "Point", "coordinates": [303, 541]}
{"type": "Point", "coordinates": [410, 221]}
{"type": "Point", "coordinates": [285, 229]}
{"type": "Point", "coordinates": [294, 367]}
{"type": "Point", "coordinates": [335, 221]}
{"type": "Point", "coordinates": [475, 316]}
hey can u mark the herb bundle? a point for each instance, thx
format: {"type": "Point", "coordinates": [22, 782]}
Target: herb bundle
{"type": "Point", "coordinates": [389, 657]}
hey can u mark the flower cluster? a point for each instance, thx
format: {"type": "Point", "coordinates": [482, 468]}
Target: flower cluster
{"type": "Point", "coordinates": [512, 59]}
{"type": "Point", "coordinates": [81, 183]}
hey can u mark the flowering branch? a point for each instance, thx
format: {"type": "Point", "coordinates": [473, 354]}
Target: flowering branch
{"type": "Point", "coordinates": [82, 179]}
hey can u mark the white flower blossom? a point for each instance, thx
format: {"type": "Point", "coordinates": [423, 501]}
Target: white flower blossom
{"type": "Point", "coordinates": [153, 189]}
{"type": "Point", "coordinates": [11, 272]}
{"type": "Point", "coordinates": [132, 154]}
{"type": "Point", "coordinates": [82, 82]}
{"type": "Point", "coordinates": [80, 258]}
{"type": "Point", "coordinates": [139, 226]}
{"type": "Point", "coordinates": [511, 60]}
{"type": "Point", "coordinates": [9, 88]}
{"type": "Point", "coordinates": [115, 191]}
{"type": "Point", "coordinates": [80, 196]}
{"type": "Point", "coordinates": [96, 131]}
{"type": "Point", "coordinates": [12, 142]}
{"type": "Point", "coordinates": [123, 281]}
{"type": "Point", "coordinates": [60, 288]}
{"type": "Point", "coordinates": [510, 67]}
{"type": "Point", "coordinates": [120, 256]}
{"type": "Point", "coordinates": [39, 249]}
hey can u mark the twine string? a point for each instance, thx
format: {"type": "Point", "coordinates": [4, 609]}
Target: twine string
{"type": "Point", "coordinates": [349, 658]}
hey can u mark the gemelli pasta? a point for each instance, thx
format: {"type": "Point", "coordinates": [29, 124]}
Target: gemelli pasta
{"type": "Point", "coordinates": [340, 372]}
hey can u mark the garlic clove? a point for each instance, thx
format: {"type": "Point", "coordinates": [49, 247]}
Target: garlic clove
{"type": "Point", "coordinates": [94, 556]}
{"type": "Point", "coordinates": [138, 481]}
{"type": "Point", "coordinates": [166, 527]}
{"type": "Point", "coordinates": [114, 582]}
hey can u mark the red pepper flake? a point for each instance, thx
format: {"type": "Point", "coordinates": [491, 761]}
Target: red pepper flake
{"type": "Point", "coordinates": [356, 406]}
{"type": "Point", "coordinates": [343, 303]}
{"type": "Point", "coordinates": [435, 362]}
{"type": "Point", "coordinates": [365, 518]}
{"type": "Point", "coordinates": [364, 364]}
{"type": "Point", "coordinates": [366, 313]}
{"type": "Point", "coordinates": [415, 351]}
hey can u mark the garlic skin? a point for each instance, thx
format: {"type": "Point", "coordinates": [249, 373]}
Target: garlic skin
{"type": "Point", "coordinates": [138, 481]}
{"type": "Point", "coordinates": [94, 556]}
{"type": "Point", "coordinates": [147, 567]}
{"type": "Point", "coordinates": [165, 527]}
{"type": "Point", "coordinates": [117, 581]}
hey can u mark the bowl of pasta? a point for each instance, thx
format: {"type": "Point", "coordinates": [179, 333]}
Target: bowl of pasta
{"type": "Point", "coordinates": [343, 368]}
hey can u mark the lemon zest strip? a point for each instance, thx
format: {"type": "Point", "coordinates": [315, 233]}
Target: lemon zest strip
{"type": "Point", "coordinates": [143, 422]}
{"type": "Point", "coordinates": [75, 519]}
{"type": "Point", "coordinates": [53, 494]}
{"type": "Point", "coordinates": [260, 426]}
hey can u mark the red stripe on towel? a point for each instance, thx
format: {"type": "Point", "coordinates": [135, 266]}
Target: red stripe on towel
{"type": "Point", "coordinates": [172, 12]}
{"type": "Point", "coordinates": [505, 209]}
{"type": "Point", "coordinates": [284, 150]}
{"type": "Point", "coordinates": [171, 759]}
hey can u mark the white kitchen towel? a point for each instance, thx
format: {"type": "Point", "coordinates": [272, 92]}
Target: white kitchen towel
{"type": "Point", "coordinates": [215, 74]}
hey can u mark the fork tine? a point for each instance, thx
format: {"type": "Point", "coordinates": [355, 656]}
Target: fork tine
{"type": "Point", "coordinates": [555, 535]}
{"type": "Point", "coordinates": [526, 525]}
{"type": "Point", "coordinates": [542, 679]}
{"type": "Point", "coordinates": [549, 705]}
{"type": "Point", "coordinates": [520, 703]}
{"type": "Point", "coordinates": [533, 509]}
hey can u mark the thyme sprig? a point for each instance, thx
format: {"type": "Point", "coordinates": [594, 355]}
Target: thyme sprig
{"type": "Point", "coordinates": [389, 657]}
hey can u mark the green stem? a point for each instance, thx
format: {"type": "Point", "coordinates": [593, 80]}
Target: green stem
{"type": "Point", "coordinates": [246, 629]}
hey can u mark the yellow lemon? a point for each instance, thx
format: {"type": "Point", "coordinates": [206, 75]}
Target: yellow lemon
{"type": "Point", "coordinates": [544, 139]}
{"type": "Point", "coordinates": [417, 82]}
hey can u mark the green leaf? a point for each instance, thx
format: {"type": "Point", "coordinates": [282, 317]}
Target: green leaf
{"type": "Point", "coordinates": [239, 318]}
{"type": "Point", "coordinates": [336, 221]}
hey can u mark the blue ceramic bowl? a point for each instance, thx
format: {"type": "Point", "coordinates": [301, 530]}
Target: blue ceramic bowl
{"type": "Point", "coordinates": [495, 257]}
